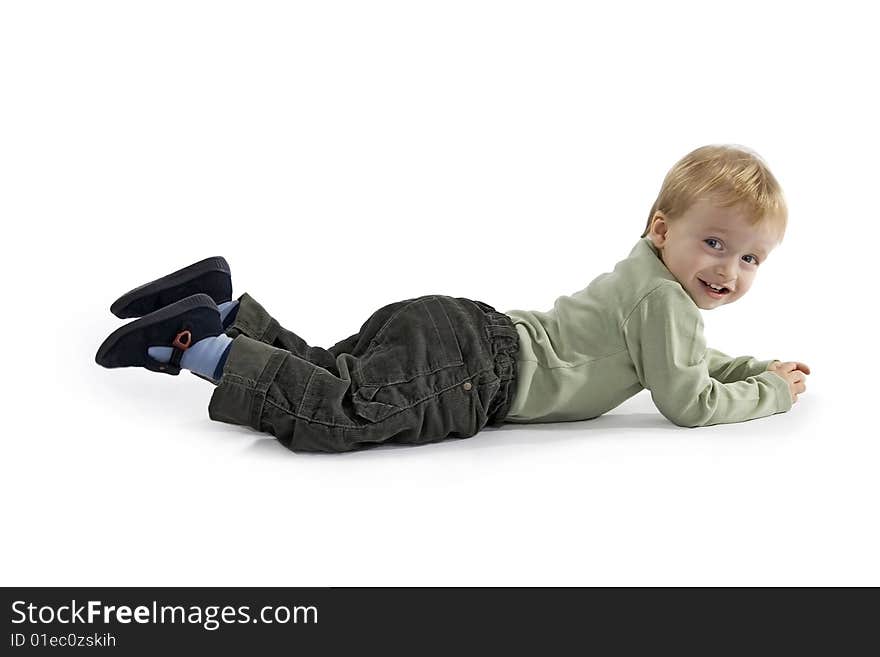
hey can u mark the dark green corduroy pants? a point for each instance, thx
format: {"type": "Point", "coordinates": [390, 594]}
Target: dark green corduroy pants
{"type": "Point", "coordinates": [418, 371]}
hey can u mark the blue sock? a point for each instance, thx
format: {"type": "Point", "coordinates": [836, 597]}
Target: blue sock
{"type": "Point", "coordinates": [206, 357]}
{"type": "Point", "coordinates": [228, 311]}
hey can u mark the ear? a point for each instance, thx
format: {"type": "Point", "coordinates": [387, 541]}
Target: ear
{"type": "Point", "coordinates": [659, 226]}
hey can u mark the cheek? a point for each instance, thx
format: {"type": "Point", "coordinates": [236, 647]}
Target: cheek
{"type": "Point", "coordinates": [744, 283]}
{"type": "Point", "coordinates": [700, 261]}
{"type": "Point", "coordinates": [689, 263]}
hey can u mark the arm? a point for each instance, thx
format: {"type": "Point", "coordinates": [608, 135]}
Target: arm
{"type": "Point", "coordinates": [664, 335]}
{"type": "Point", "coordinates": [727, 369]}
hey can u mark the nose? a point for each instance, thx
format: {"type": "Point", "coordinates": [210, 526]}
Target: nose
{"type": "Point", "coordinates": [724, 270]}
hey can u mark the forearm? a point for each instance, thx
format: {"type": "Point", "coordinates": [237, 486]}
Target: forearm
{"type": "Point", "coordinates": [692, 403]}
{"type": "Point", "coordinates": [727, 369]}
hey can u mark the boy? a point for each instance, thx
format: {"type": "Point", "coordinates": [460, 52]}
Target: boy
{"type": "Point", "coordinates": [423, 369]}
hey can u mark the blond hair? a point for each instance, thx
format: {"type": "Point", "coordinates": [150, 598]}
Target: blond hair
{"type": "Point", "coordinates": [728, 175]}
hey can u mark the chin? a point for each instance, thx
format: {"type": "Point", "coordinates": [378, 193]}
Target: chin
{"type": "Point", "coordinates": [724, 302]}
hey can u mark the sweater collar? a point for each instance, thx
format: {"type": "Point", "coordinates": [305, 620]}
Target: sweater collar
{"type": "Point", "coordinates": [646, 252]}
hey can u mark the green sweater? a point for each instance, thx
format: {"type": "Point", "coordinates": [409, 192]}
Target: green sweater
{"type": "Point", "coordinates": [631, 329]}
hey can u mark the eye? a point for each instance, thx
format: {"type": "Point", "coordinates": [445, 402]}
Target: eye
{"type": "Point", "coordinates": [711, 242]}
{"type": "Point", "coordinates": [754, 259]}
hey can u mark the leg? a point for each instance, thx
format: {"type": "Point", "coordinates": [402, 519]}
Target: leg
{"type": "Point", "coordinates": [419, 371]}
{"type": "Point", "coordinates": [253, 321]}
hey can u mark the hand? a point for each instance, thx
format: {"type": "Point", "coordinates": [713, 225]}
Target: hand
{"type": "Point", "coordinates": [794, 373]}
{"type": "Point", "coordinates": [788, 366]}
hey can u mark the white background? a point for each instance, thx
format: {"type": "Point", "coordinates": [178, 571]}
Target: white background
{"type": "Point", "coordinates": [342, 156]}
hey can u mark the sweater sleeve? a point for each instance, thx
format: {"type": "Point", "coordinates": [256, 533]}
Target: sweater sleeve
{"type": "Point", "coordinates": [664, 336]}
{"type": "Point", "coordinates": [727, 369]}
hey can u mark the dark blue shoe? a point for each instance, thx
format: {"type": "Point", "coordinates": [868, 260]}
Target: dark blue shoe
{"type": "Point", "coordinates": [178, 325]}
{"type": "Point", "coordinates": [210, 276]}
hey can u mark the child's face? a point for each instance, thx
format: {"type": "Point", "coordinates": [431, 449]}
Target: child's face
{"type": "Point", "coordinates": [712, 244]}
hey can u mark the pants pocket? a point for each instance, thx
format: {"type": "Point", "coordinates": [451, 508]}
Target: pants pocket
{"type": "Point", "coordinates": [368, 408]}
{"type": "Point", "coordinates": [417, 340]}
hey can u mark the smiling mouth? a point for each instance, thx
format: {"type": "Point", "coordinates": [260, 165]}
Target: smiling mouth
{"type": "Point", "coordinates": [712, 291]}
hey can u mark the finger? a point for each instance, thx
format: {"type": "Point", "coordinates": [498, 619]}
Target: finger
{"type": "Point", "coordinates": [787, 366]}
{"type": "Point", "coordinates": [803, 367]}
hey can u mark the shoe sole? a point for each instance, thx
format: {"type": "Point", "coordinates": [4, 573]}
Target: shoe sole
{"type": "Point", "coordinates": [158, 329]}
{"type": "Point", "coordinates": [175, 286]}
